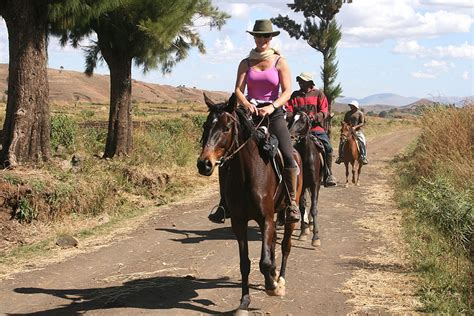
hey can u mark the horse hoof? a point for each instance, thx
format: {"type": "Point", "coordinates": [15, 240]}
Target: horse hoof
{"type": "Point", "coordinates": [304, 234]}
{"type": "Point", "coordinates": [281, 281]}
{"type": "Point", "coordinates": [241, 312]}
{"type": "Point", "coordinates": [316, 243]}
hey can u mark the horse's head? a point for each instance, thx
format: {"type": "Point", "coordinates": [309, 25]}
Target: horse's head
{"type": "Point", "coordinates": [346, 131]}
{"type": "Point", "coordinates": [219, 134]}
{"type": "Point", "coordinates": [299, 125]}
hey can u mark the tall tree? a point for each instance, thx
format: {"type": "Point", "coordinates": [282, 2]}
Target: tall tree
{"type": "Point", "coordinates": [148, 33]}
{"type": "Point", "coordinates": [26, 130]}
{"type": "Point", "coordinates": [321, 32]}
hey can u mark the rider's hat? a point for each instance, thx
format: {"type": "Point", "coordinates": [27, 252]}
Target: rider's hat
{"type": "Point", "coordinates": [304, 76]}
{"type": "Point", "coordinates": [355, 104]}
{"type": "Point", "coordinates": [263, 27]}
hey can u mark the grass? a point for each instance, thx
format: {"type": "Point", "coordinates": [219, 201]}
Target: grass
{"type": "Point", "coordinates": [435, 188]}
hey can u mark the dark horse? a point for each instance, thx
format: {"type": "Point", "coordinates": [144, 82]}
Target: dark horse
{"type": "Point", "coordinates": [251, 190]}
{"type": "Point", "coordinates": [351, 153]}
{"type": "Point", "coordinates": [299, 127]}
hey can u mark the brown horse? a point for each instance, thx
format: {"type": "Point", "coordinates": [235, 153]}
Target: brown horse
{"type": "Point", "coordinates": [251, 189]}
{"type": "Point", "coordinates": [300, 125]}
{"type": "Point", "coordinates": [351, 153]}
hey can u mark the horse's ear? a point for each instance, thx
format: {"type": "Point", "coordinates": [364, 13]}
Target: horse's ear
{"type": "Point", "coordinates": [208, 101]}
{"type": "Point", "coordinates": [231, 103]}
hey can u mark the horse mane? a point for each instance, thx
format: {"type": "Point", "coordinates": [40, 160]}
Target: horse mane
{"type": "Point", "coordinates": [248, 127]}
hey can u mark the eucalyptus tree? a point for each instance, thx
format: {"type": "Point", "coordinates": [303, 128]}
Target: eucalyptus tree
{"type": "Point", "coordinates": [321, 32]}
{"type": "Point", "coordinates": [26, 129]}
{"type": "Point", "coordinates": [147, 33]}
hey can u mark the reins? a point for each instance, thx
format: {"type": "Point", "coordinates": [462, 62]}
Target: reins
{"type": "Point", "coordinates": [225, 158]}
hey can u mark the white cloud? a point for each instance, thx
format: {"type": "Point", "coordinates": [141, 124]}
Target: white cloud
{"type": "Point", "coordinates": [239, 10]}
{"type": "Point", "coordinates": [447, 3]}
{"type": "Point", "coordinates": [465, 51]}
{"type": "Point", "coordinates": [372, 21]}
{"type": "Point", "coordinates": [224, 50]}
{"type": "Point", "coordinates": [438, 65]}
{"type": "Point", "coordinates": [413, 49]}
{"type": "Point", "coordinates": [423, 75]}
{"type": "Point", "coordinates": [466, 75]}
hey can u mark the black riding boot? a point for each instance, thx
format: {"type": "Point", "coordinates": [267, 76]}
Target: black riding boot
{"type": "Point", "coordinates": [340, 157]}
{"type": "Point", "coordinates": [292, 211]}
{"type": "Point", "coordinates": [329, 180]}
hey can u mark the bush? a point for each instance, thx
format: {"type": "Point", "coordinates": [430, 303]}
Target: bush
{"type": "Point", "coordinates": [436, 188]}
{"type": "Point", "coordinates": [63, 131]}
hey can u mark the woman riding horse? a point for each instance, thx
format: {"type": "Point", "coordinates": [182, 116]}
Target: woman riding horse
{"type": "Point", "coordinates": [251, 188]}
{"type": "Point", "coordinates": [263, 73]}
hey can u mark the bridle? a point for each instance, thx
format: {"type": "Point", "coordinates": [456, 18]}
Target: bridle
{"type": "Point", "coordinates": [230, 152]}
{"type": "Point", "coordinates": [298, 138]}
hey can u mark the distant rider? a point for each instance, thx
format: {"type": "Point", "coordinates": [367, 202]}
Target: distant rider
{"type": "Point", "coordinates": [356, 119]}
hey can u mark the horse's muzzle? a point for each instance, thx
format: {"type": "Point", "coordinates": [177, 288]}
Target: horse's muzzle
{"type": "Point", "coordinates": [205, 167]}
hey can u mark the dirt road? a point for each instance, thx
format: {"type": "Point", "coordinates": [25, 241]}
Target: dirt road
{"type": "Point", "coordinates": [179, 263]}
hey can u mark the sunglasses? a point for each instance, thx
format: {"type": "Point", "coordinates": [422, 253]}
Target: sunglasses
{"type": "Point", "coordinates": [268, 35]}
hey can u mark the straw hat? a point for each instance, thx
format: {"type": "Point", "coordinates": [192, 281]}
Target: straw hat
{"type": "Point", "coordinates": [263, 27]}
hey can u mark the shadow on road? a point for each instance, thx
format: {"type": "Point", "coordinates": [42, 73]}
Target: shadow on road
{"type": "Point", "coordinates": [221, 233]}
{"type": "Point", "coordinates": [157, 293]}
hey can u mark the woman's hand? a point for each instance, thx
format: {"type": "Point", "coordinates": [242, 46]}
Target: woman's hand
{"type": "Point", "coordinates": [266, 110]}
{"type": "Point", "coordinates": [251, 107]}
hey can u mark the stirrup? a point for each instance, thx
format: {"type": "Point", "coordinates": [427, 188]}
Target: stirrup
{"type": "Point", "coordinates": [218, 214]}
{"type": "Point", "coordinates": [338, 160]}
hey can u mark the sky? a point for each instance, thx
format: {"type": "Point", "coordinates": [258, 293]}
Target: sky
{"type": "Point", "coordinates": [414, 48]}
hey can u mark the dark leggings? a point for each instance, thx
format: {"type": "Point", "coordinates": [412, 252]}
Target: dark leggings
{"type": "Point", "coordinates": [279, 128]}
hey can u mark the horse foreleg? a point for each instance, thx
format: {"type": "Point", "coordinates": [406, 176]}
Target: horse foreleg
{"type": "Point", "coordinates": [353, 172]}
{"type": "Point", "coordinates": [240, 230]}
{"type": "Point", "coordinates": [314, 214]}
{"type": "Point", "coordinates": [346, 164]}
{"type": "Point", "coordinates": [285, 249]}
{"type": "Point", "coordinates": [267, 257]}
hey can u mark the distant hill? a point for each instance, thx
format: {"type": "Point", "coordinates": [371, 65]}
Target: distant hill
{"type": "Point", "coordinates": [68, 87]}
{"type": "Point", "coordinates": [381, 99]}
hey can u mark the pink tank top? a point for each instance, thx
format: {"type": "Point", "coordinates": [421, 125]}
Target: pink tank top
{"type": "Point", "coordinates": [263, 85]}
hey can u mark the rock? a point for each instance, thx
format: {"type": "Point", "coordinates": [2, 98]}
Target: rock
{"type": "Point", "coordinates": [66, 241]}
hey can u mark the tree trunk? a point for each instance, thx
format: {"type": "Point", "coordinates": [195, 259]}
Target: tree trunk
{"type": "Point", "coordinates": [119, 135]}
{"type": "Point", "coordinates": [325, 78]}
{"type": "Point", "coordinates": [26, 130]}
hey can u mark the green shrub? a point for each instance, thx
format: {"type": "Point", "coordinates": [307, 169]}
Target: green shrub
{"type": "Point", "coordinates": [25, 212]}
{"type": "Point", "coordinates": [63, 131]}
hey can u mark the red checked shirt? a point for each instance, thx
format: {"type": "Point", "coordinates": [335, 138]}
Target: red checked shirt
{"type": "Point", "coordinates": [312, 102]}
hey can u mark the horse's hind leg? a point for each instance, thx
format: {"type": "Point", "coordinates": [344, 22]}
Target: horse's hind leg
{"type": "Point", "coordinates": [239, 228]}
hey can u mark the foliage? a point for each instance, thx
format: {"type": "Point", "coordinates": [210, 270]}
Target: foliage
{"type": "Point", "coordinates": [63, 131]}
{"type": "Point", "coordinates": [25, 212]}
{"type": "Point", "coordinates": [436, 184]}
{"type": "Point", "coordinates": [321, 32]}
{"type": "Point", "coordinates": [152, 33]}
